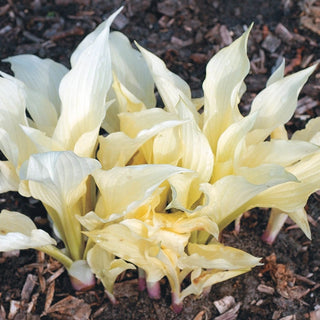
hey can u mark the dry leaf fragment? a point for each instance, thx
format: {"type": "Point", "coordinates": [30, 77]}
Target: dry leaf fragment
{"type": "Point", "coordinates": [55, 275]}
{"type": "Point", "coordinates": [28, 287]}
{"type": "Point", "coordinates": [71, 307]}
{"type": "Point", "coordinates": [315, 315]}
{"type": "Point", "coordinates": [32, 304]}
{"type": "Point", "coordinates": [232, 314]}
{"type": "Point", "coordinates": [2, 312]}
{"type": "Point", "coordinates": [49, 296]}
{"type": "Point", "coordinates": [265, 289]}
{"type": "Point", "coordinates": [128, 288]}
{"type": "Point", "coordinates": [291, 317]}
{"type": "Point", "coordinates": [14, 308]}
{"type": "Point", "coordinates": [224, 304]}
{"type": "Point", "coordinates": [199, 315]}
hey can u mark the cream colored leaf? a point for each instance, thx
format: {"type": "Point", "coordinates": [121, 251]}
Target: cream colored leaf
{"type": "Point", "coordinates": [223, 88]}
{"type": "Point", "coordinates": [278, 74]}
{"type": "Point", "coordinates": [83, 93]}
{"type": "Point", "coordinates": [17, 231]}
{"type": "Point", "coordinates": [276, 103]}
{"type": "Point", "coordinates": [13, 142]}
{"type": "Point", "coordinates": [41, 141]}
{"type": "Point", "coordinates": [126, 101]}
{"type": "Point", "coordinates": [170, 86]}
{"type": "Point", "coordinates": [58, 180]}
{"type": "Point", "coordinates": [311, 132]}
{"type": "Point", "coordinates": [201, 280]}
{"type": "Point", "coordinates": [281, 152]}
{"type": "Point", "coordinates": [232, 136]}
{"type": "Point", "coordinates": [9, 180]}
{"type": "Point", "coordinates": [131, 69]}
{"type": "Point", "coordinates": [197, 154]}
{"type": "Point", "coordinates": [55, 177]}
{"type": "Point", "coordinates": [185, 192]}
{"type": "Point", "coordinates": [91, 37]}
{"type": "Point", "coordinates": [130, 247]}
{"type": "Point", "coordinates": [131, 123]}
{"type": "Point", "coordinates": [106, 268]}
{"type": "Point", "coordinates": [137, 183]}
{"type": "Point", "coordinates": [167, 148]}
{"type": "Point", "coordinates": [117, 148]}
{"type": "Point", "coordinates": [220, 207]}
{"type": "Point", "coordinates": [217, 256]}
{"type": "Point", "coordinates": [269, 174]}
{"type": "Point", "coordinates": [41, 76]}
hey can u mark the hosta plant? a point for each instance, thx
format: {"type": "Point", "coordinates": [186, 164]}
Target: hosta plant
{"type": "Point", "coordinates": [154, 191]}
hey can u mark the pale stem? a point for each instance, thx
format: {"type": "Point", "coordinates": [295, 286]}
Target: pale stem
{"type": "Point", "coordinates": [176, 302]}
{"type": "Point", "coordinates": [237, 225]}
{"type": "Point", "coordinates": [81, 276]}
{"type": "Point", "coordinates": [58, 255]}
{"type": "Point", "coordinates": [141, 279]}
{"type": "Point", "coordinates": [73, 234]}
{"type": "Point", "coordinates": [154, 290]}
{"type": "Point", "coordinates": [275, 223]}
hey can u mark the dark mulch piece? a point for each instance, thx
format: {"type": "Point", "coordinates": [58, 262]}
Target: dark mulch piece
{"type": "Point", "coordinates": [186, 34]}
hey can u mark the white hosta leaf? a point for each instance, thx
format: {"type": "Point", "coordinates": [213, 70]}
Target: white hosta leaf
{"type": "Point", "coordinates": [41, 141]}
{"type": "Point", "coordinates": [137, 183]}
{"type": "Point", "coordinates": [42, 76]}
{"type": "Point", "coordinates": [130, 247]}
{"type": "Point", "coordinates": [117, 148]}
{"type": "Point", "coordinates": [12, 99]}
{"type": "Point", "coordinates": [13, 142]}
{"type": "Point", "coordinates": [170, 86]}
{"type": "Point", "coordinates": [217, 256]}
{"type": "Point", "coordinates": [300, 217]}
{"type": "Point", "coordinates": [91, 38]}
{"type": "Point", "coordinates": [91, 221]}
{"type": "Point", "coordinates": [126, 101]}
{"type": "Point", "coordinates": [182, 223]}
{"type": "Point", "coordinates": [185, 192]}
{"type": "Point", "coordinates": [167, 148]}
{"type": "Point", "coordinates": [17, 231]}
{"type": "Point", "coordinates": [276, 103]}
{"type": "Point", "coordinates": [9, 147]}
{"type": "Point", "coordinates": [131, 70]}
{"type": "Point", "coordinates": [269, 174]}
{"type": "Point", "coordinates": [221, 261]}
{"type": "Point", "coordinates": [223, 87]}
{"type": "Point", "coordinates": [106, 268]}
{"type": "Point", "coordinates": [42, 111]}
{"type": "Point", "coordinates": [197, 154]}
{"type": "Point", "coordinates": [56, 178]}
{"type": "Point", "coordinates": [281, 152]}
{"type": "Point", "coordinates": [219, 207]}
{"type": "Point", "coordinates": [291, 197]}
{"type": "Point", "coordinates": [311, 132]}
{"type": "Point", "coordinates": [203, 279]}
{"type": "Point", "coordinates": [278, 74]}
{"type": "Point", "coordinates": [83, 93]}
{"type": "Point", "coordinates": [9, 180]}
{"type": "Point", "coordinates": [131, 123]}
{"type": "Point", "coordinates": [232, 136]}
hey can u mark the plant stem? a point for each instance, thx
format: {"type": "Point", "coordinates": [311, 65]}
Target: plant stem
{"type": "Point", "coordinates": [58, 255]}
{"type": "Point", "coordinates": [275, 223]}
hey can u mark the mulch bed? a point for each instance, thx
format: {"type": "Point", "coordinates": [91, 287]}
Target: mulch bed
{"type": "Point", "coordinates": [186, 34]}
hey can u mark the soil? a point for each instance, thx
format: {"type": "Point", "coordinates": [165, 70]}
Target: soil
{"type": "Point", "coordinates": [185, 33]}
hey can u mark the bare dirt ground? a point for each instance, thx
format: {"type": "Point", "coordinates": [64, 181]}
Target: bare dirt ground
{"type": "Point", "coordinates": [185, 33]}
